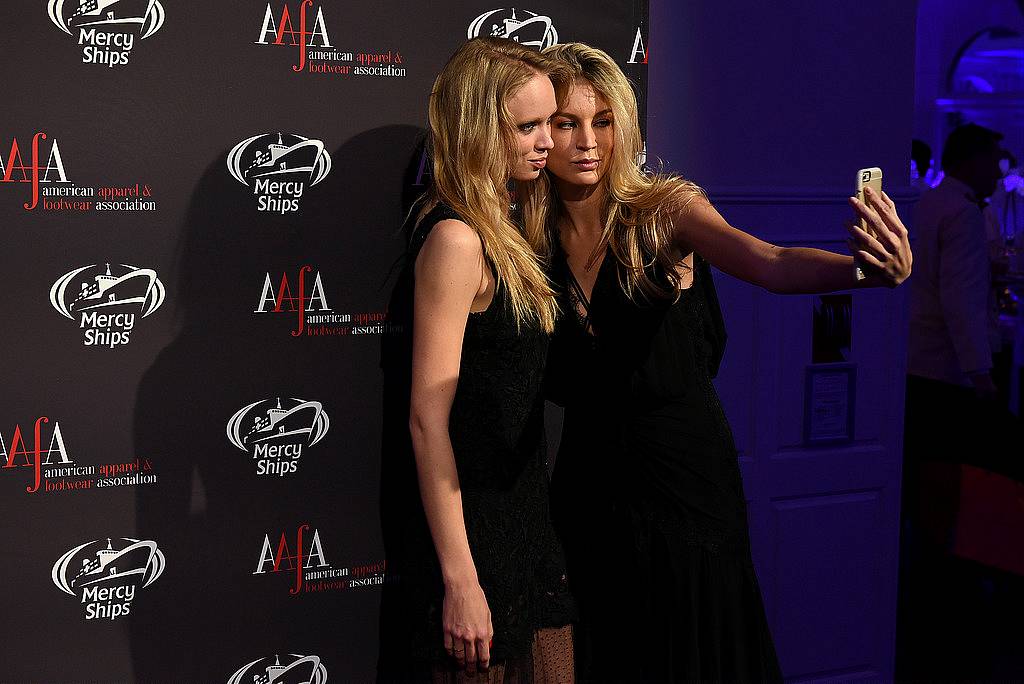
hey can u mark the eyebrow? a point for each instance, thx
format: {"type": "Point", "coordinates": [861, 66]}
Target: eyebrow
{"type": "Point", "coordinates": [570, 116]}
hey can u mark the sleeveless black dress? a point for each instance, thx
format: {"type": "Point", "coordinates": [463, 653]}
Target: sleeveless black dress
{"type": "Point", "coordinates": [646, 491]}
{"type": "Point", "coordinates": [497, 432]}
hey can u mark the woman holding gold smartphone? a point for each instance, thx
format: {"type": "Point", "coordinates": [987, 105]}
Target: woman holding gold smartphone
{"type": "Point", "coordinates": [646, 492]}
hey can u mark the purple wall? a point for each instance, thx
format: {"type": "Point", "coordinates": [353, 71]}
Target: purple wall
{"type": "Point", "coordinates": [772, 107]}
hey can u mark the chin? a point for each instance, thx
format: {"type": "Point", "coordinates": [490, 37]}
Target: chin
{"type": "Point", "coordinates": [573, 176]}
{"type": "Point", "coordinates": [528, 175]}
{"type": "Point", "coordinates": [584, 178]}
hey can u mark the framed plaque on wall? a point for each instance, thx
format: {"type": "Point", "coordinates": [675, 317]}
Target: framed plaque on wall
{"type": "Point", "coordinates": [829, 392]}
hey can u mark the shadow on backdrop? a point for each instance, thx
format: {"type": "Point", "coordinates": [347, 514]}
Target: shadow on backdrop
{"type": "Point", "coordinates": [212, 611]}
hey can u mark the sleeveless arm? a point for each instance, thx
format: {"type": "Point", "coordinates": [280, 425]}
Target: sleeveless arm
{"type": "Point", "coordinates": [447, 277]}
{"type": "Point", "coordinates": [798, 270]}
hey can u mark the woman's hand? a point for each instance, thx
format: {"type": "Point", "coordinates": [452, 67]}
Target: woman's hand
{"type": "Point", "coordinates": [467, 626]}
{"type": "Point", "coordinates": [884, 255]}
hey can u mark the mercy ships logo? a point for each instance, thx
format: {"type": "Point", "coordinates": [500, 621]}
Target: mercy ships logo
{"type": "Point", "coordinates": [296, 669]}
{"type": "Point", "coordinates": [107, 29]}
{"type": "Point", "coordinates": [274, 432]}
{"type": "Point", "coordinates": [525, 27]}
{"type": "Point", "coordinates": [279, 167]}
{"type": "Point", "coordinates": [105, 577]}
{"type": "Point", "coordinates": [106, 300]}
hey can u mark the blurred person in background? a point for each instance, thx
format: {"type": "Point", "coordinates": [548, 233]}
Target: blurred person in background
{"type": "Point", "coordinates": [921, 174]}
{"type": "Point", "coordinates": [952, 415]}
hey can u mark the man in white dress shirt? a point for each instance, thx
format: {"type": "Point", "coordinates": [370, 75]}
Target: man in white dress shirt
{"type": "Point", "coordinates": [949, 406]}
{"type": "Point", "coordinates": [951, 333]}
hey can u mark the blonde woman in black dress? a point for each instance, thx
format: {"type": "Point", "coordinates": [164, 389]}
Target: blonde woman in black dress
{"type": "Point", "coordinates": [476, 585]}
{"type": "Point", "coordinates": [646, 492]}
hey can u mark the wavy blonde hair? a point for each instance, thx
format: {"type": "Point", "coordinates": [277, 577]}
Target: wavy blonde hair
{"type": "Point", "coordinates": [473, 148]}
{"type": "Point", "coordinates": [638, 205]}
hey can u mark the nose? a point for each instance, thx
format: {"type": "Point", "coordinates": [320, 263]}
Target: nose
{"type": "Point", "coordinates": [544, 141]}
{"type": "Point", "coordinates": [586, 140]}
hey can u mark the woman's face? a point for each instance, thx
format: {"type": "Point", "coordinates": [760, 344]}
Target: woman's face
{"type": "Point", "coordinates": [532, 107]}
{"type": "Point", "coordinates": [583, 133]}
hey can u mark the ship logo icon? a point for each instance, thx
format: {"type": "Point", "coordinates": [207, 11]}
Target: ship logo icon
{"type": "Point", "coordinates": [97, 288]}
{"type": "Point", "coordinates": [144, 16]}
{"type": "Point", "coordinates": [277, 421]}
{"type": "Point", "coordinates": [279, 157]}
{"type": "Point", "coordinates": [295, 669]}
{"type": "Point", "coordinates": [524, 27]}
{"type": "Point", "coordinates": [104, 563]}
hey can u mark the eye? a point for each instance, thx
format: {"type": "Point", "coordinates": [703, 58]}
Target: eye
{"type": "Point", "coordinates": [566, 125]}
{"type": "Point", "coordinates": [602, 123]}
{"type": "Point", "coordinates": [527, 127]}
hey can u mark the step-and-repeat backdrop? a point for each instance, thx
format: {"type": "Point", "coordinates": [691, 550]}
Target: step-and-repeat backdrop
{"type": "Point", "coordinates": [200, 207]}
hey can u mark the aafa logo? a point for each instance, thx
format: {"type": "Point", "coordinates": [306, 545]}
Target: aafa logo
{"type": "Point", "coordinates": [302, 557]}
{"type": "Point", "coordinates": [282, 300]}
{"type": "Point", "coordinates": [638, 54]}
{"type": "Point", "coordinates": [306, 30]}
{"type": "Point", "coordinates": [308, 556]}
{"type": "Point", "coordinates": [106, 300]}
{"type": "Point", "coordinates": [303, 39]}
{"type": "Point", "coordinates": [274, 431]}
{"type": "Point", "coordinates": [278, 166]}
{"type": "Point", "coordinates": [50, 182]}
{"type": "Point", "coordinates": [295, 669]}
{"type": "Point", "coordinates": [35, 456]}
{"type": "Point", "coordinates": [105, 576]}
{"type": "Point", "coordinates": [31, 173]}
{"type": "Point", "coordinates": [526, 28]}
{"type": "Point", "coordinates": [308, 303]}
{"type": "Point", "coordinates": [107, 28]}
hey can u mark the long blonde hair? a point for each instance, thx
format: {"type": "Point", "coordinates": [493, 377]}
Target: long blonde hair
{"type": "Point", "coordinates": [473, 148]}
{"type": "Point", "coordinates": [638, 205]}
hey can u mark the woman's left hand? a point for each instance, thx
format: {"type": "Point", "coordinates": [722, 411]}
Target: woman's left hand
{"type": "Point", "coordinates": [884, 252]}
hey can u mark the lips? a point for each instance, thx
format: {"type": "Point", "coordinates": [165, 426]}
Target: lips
{"type": "Point", "coordinates": [586, 164]}
{"type": "Point", "coordinates": [538, 163]}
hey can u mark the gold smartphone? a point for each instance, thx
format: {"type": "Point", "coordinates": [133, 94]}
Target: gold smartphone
{"type": "Point", "coordinates": [868, 178]}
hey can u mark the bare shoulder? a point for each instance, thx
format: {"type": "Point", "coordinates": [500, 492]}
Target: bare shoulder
{"type": "Point", "coordinates": [692, 220]}
{"type": "Point", "coordinates": [696, 212]}
{"type": "Point", "coordinates": [453, 238]}
{"type": "Point", "coordinates": [453, 249]}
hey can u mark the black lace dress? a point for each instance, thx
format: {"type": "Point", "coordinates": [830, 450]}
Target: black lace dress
{"type": "Point", "coordinates": [646, 492]}
{"type": "Point", "coordinates": [497, 433]}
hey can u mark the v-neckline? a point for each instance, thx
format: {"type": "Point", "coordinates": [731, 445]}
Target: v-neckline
{"type": "Point", "coordinates": [587, 301]}
{"type": "Point", "coordinates": [604, 257]}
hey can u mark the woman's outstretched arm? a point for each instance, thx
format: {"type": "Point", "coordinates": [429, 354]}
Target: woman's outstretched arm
{"type": "Point", "coordinates": [885, 259]}
{"type": "Point", "coordinates": [449, 277]}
